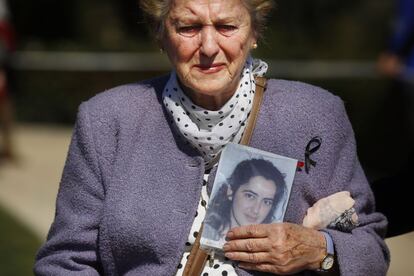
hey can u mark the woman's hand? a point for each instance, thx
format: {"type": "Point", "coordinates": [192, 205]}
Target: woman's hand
{"type": "Point", "coordinates": [280, 248]}
{"type": "Point", "coordinates": [327, 209]}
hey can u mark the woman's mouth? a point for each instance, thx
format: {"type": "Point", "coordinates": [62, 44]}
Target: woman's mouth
{"type": "Point", "coordinates": [210, 68]}
{"type": "Point", "coordinates": [250, 219]}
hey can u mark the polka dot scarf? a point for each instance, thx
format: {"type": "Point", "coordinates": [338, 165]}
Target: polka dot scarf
{"type": "Point", "coordinates": [209, 131]}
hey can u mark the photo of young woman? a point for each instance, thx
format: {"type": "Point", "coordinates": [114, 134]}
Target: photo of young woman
{"type": "Point", "coordinates": [249, 196]}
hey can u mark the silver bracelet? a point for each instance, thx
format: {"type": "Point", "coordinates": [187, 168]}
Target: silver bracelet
{"type": "Point", "coordinates": [344, 222]}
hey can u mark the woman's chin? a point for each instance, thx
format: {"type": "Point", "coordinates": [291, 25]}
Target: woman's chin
{"type": "Point", "coordinates": [210, 83]}
{"type": "Point", "coordinates": [208, 90]}
{"type": "Point", "coordinates": [213, 88]}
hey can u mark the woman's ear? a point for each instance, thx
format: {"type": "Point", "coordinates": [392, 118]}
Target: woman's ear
{"type": "Point", "coordinates": [160, 45]}
{"type": "Point", "coordinates": [254, 44]}
{"type": "Point", "coordinates": [229, 193]}
{"type": "Point", "coordinates": [161, 42]}
{"type": "Point", "coordinates": [254, 41]}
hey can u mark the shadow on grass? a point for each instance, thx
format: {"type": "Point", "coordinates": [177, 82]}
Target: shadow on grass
{"type": "Point", "coordinates": [18, 246]}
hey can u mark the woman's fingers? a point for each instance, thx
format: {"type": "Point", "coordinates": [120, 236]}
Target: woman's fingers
{"type": "Point", "coordinates": [341, 201]}
{"type": "Point", "coordinates": [258, 267]}
{"type": "Point", "coordinates": [248, 231]}
{"type": "Point", "coordinates": [249, 257]}
{"type": "Point", "coordinates": [248, 245]}
{"type": "Point", "coordinates": [327, 209]}
{"type": "Point", "coordinates": [265, 267]}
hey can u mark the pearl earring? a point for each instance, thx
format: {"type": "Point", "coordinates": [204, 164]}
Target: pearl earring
{"type": "Point", "coordinates": [254, 46]}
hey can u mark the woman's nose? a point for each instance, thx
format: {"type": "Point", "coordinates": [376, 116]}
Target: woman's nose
{"type": "Point", "coordinates": [209, 45]}
{"type": "Point", "coordinates": [256, 207]}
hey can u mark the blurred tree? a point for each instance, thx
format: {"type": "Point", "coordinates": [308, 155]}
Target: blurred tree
{"type": "Point", "coordinates": [298, 29]}
{"type": "Point", "coordinates": [99, 25]}
{"type": "Point", "coordinates": [130, 14]}
{"type": "Point", "coordinates": [327, 29]}
{"type": "Point", "coordinates": [45, 20]}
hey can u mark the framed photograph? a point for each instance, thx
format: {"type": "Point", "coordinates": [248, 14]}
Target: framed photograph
{"type": "Point", "coordinates": [251, 187]}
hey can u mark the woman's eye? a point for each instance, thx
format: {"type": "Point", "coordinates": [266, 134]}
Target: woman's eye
{"type": "Point", "coordinates": [249, 195]}
{"type": "Point", "coordinates": [268, 202]}
{"type": "Point", "coordinates": [189, 30]}
{"type": "Point", "coordinates": [226, 29]}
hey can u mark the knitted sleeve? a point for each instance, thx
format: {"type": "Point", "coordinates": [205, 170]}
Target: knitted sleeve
{"type": "Point", "coordinates": [71, 246]}
{"type": "Point", "coordinates": [363, 251]}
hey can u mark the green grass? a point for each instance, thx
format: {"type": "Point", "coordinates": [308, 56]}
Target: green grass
{"type": "Point", "coordinates": [18, 246]}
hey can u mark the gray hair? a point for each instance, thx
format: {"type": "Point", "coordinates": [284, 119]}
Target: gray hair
{"type": "Point", "coordinates": [156, 12]}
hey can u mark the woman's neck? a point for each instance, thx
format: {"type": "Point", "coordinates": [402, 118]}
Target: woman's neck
{"type": "Point", "coordinates": [209, 102]}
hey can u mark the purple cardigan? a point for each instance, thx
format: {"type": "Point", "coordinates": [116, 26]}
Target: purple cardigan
{"type": "Point", "coordinates": [131, 185]}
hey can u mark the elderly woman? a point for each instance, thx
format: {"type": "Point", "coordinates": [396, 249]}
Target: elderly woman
{"type": "Point", "coordinates": [132, 194]}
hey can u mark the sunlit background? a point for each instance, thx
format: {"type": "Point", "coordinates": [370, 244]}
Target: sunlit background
{"type": "Point", "coordinates": [68, 51]}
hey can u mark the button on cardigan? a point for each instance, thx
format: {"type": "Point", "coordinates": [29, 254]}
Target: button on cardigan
{"type": "Point", "coordinates": [130, 186]}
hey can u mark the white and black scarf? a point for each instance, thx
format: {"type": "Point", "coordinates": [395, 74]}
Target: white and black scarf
{"type": "Point", "coordinates": [209, 131]}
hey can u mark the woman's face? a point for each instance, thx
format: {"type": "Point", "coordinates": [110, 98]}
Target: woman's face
{"type": "Point", "coordinates": [253, 201]}
{"type": "Point", "coordinates": [208, 42]}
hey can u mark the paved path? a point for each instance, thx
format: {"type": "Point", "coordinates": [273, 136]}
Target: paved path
{"type": "Point", "coordinates": [28, 189]}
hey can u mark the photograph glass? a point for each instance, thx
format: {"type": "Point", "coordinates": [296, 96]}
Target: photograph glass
{"type": "Point", "coordinates": [251, 187]}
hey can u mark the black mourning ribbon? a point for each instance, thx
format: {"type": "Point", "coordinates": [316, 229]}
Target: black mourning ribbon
{"type": "Point", "coordinates": [312, 147]}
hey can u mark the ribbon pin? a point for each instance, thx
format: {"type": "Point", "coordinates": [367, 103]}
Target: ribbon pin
{"type": "Point", "coordinates": [312, 147]}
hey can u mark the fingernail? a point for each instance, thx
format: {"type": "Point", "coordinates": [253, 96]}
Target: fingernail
{"type": "Point", "coordinates": [230, 234]}
{"type": "Point", "coordinates": [228, 255]}
{"type": "Point", "coordinates": [226, 247]}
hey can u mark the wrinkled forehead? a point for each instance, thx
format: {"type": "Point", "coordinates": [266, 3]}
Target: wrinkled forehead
{"type": "Point", "coordinates": [208, 10]}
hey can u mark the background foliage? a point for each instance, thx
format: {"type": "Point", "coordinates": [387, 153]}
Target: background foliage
{"type": "Point", "coordinates": [297, 29]}
{"type": "Point", "coordinates": [18, 246]}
